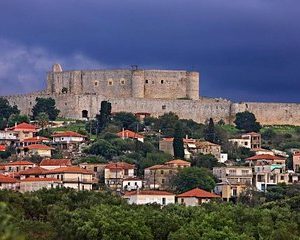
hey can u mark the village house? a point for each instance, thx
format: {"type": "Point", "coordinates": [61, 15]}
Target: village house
{"type": "Point", "coordinates": [8, 183]}
{"type": "Point", "coordinates": [96, 168]}
{"type": "Point", "coordinates": [32, 184]}
{"type": "Point", "coordinates": [35, 172]}
{"type": "Point", "coordinates": [50, 164]}
{"type": "Point", "coordinates": [206, 147]}
{"type": "Point", "coordinates": [116, 173]}
{"type": "Point", "coordinates": [68, 140]}
{"type": "Point", "coordinates": [34, 140]}
{"type": "Point", "coordinates": [72, 177]}
{"type": "Point", "coordinates": [296, 162]}
{"type": "Point", "coordinates": [125, 134]}
{"type": "Point", "coordinates": [160, 176]}
{"type": "Point", "coordinates": [17, 166]}
{"type": "Point", "coordinates": [22, 131]}
{"type": "Point", "coordinates": [195, 197]}
{"type": "Point", "coordinates": [251, 140]}
{"type": "Point", "coordinates": [230, 191]}
{"type": "Point", "coordinates": [36, 149]}
{"type": "Point", "coordinates": [269, 170]}
{"type": "Point", "coordinates": [130, 184]}
{"type": "Point", "coordinates": [166, 145]}
{"type": "Point", "coordinates": [149, 197]}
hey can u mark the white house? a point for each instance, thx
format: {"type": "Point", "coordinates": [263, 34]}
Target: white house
{"type": "Point", "coordinates": [73, 177]}
{"type": "Point", "coordinates": [68, 137]}
{"type": "Point", "coordinates": [149, 197]}
{"type": "Point", "coordinates": [195, 197]}
{"type": "Point", "coordinates": [129, 184]}
{"type": "Point", "coordinates": [34, 184]}
{"type": "Point", "coordinates": [8, 183]}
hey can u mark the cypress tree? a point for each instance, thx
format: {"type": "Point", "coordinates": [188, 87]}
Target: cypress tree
{"type": "Point", "coordinates": [104, 116]}
{"type": "Point", "coordinates": [178, 141]}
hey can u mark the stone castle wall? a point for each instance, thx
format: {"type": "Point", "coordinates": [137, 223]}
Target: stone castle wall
{"type": "Point", "coordinates": [198, 110]}
{"type": "Point", "coordinates": [146, 91]}
{"type": "Point", "coordinates": [166, 84]}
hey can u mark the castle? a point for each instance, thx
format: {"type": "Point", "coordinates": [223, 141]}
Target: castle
{"type": "Point", "coordinates": [78, 95]}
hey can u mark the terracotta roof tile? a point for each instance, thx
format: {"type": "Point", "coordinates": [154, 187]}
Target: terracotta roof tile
{"type": "Point", "coordinates": [36, 139]}
{"type": "Point", "coordinates": [129, 134]}
{"type": "Point", "coordinates": [36, 179]}
{"type": "Point", "coordinates": [119, 165]}
{"type": "Point", "coordinates": [264, 157]}
{"type": "Point", "coordinates": [7, 179]}
{"type": "Point", "coordinates": [2, 148]}
{"type": "Point", "coordinates": [67, 134]}
{"type": "Point", "coordinates": [73, 169]}
{"type": "Point", "coordinates": [178, 162]}
{"type": "Point", "coordinates": [24, 127]}
{"type": "Point", "coordinates": [198, 193]}
{"type": "Point", "coordinates": [34, 171]}
{"type": "Point", "coordinates": [39, 147]}
{"type": "Point", "coordinates": [55, 162]}
{"type": "Point", "coordinates": [18, 163]}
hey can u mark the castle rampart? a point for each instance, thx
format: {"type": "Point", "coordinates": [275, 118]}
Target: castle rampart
{"type": "Point", "coordinates": [149, 91]}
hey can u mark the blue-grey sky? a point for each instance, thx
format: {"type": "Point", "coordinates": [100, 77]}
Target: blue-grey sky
{"type": "Point", "coordinates": [245, 50]}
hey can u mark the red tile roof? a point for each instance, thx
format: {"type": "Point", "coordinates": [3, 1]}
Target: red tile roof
{"type": "Point", "coordinates": [18, 163]}
{"type": "Point", "coordinates": [148, 192]}
{"type": "Point", "coordinates": [198, 193]}
{"type": "Point", "coordinates": [73, 169]}
{"type": "Point", "coordinates": [34, 171]}
{"type": "Point", "coordinates": [161, 166]}
{"type": "Point", "coordinates": [36, 139]}
{"type": "Point", "coordinates": [119, 165]}
{"type": "Point", "coordinates": [36, 179]}
{"type": "Point", "coordinates": [55, 162]}
{"type": "Point", "coordinates": [264, 157]}
{"type": "Point", "coordinates": [252, 134]}
{"type": "Point", "coordinates": [24, 127]}
{"type": "Point", "coordinates": [179, 162]}
{"type": "Point", "coordinates": [2, 148]}
{"type": "Point", "coordinates": [7, 179]}
{"type": "Point", "coordinates": [39, 147]}
{"type": "Point", "coordinates": [129, 134]}
{"type": "Point", "coordinates": [67, 134]}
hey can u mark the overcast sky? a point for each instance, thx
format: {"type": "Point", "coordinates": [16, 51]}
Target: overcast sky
{"type": "Point", "coordinates": [245, 50]}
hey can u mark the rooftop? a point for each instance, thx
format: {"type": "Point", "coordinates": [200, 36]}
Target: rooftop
{"type": "Point", "coordinates": [55, 162]}
{"type": "Point", "coordinates": [67, 134]}
{"type": "Point", "coordinates": [129, 134]}
{"type": "Point", "coordinates": [24, 127]}
{"type": "Point", "coordinates": [73, 169]}
{"type": "Point", "coordinates": [264, 157]}
{"type": "Point", "coordinates": [198, 193]}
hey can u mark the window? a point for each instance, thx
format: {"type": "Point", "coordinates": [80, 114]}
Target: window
{"type": "Point", "coordinates": [95, 169]}
{"type": "Point", "coordinates": [128, 184]}
{"type": "Point", "coordinates": [182, 200]}
{"type": "Point", "coordinates": [245, 172]}
{"type": "Point", "coordinates": [163, 181]}
{"type": "Point", "coordinates": [146, 81]}
{"type": "Point", "coordinates": [234, 192]}
{"type": "Point", "coordinates": [126, 172]}
{"type": "Point", "coordinates": [96, 83]}
{"type": "Point", "coordinates": [163, 107]}
{"type": "Point", "coordinates": [110, 82]}
{"type": "Point", "coordinates": [161, 81]}
{"type": "Point", "coordinates": [161, 171]}
{"type": "Point", "coordinates": [163, 201]}
{"type": "Point", "coordinates": [84, 113]}
{"type": "Point", "coordinates": [281, 177]}
{"type": "Point", "coordinates": [122, 81]}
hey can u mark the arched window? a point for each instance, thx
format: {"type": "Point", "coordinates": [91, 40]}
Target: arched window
{"type": "Point", "coordinates": [85, 113]}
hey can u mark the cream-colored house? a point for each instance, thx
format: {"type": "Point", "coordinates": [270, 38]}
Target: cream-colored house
{"type": "Point", "coordinates": [125, 134]}
{"type": "Point", "coordinates": [50, 164]}
{"type": "Point", "coordinates": [22, 131]}
{"type": "Point", "coordinates": [116, 173]}
{"type": "Point", "coordinates": [17, 166]}
{"type": "Point", "coordinates": [195, 197]}
{"type": "Point", "coordinates": [72, 177]}
{"type": "Point", "coordinates": [234, 174]}
{"type": "Point", "coordinates": [296, 162]}
{"type": "Point", "coordinates": [38, 149]}
{"type": "Point", "coordinates": [8, 183]}
{"type": "Point", "coordinates": [149, 197]}
{"type": "Point", "coordinates": [32, 184]}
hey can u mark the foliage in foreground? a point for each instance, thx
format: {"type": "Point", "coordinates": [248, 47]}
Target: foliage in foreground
{"type": "Point", "coordinates": [66, 214]}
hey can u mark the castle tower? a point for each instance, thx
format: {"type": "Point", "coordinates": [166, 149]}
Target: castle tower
{"type": "Point", "coordinates": [138, 83]}
{"type": "Point", "coordinates": [192, 88]}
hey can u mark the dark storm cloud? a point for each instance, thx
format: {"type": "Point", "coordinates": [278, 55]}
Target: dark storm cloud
{"type": "Point", "coordinates": [245, 50]}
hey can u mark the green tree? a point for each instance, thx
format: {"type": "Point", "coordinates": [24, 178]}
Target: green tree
{"type": "Point", "coordinates": [189, 178]}
{"type": "Point", "coordinates": [103, 148]}
{"type": "Point", "coordinates": [166, 123]}
{"type": "Point", "coordinates": [16, 118]}
{"type": "Point", "coordinates": [6, 109]}
{"type": "Point", "coordinates": [46, 105]}
{"type": "Point", "coordinates": [42, 119]}
{"type": "Point", "coordinates": [104, 117]}
{"type": "Point", "coordinates": [247, 121]}
{"type": "Point", "coordinates": [126, 120]}
{"type": "Point", "coordinates": [206, 161]}
{"type": "Point", "coordinates": [178, 141]}
{"type": "Point", "coordinates": [209, 132]}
